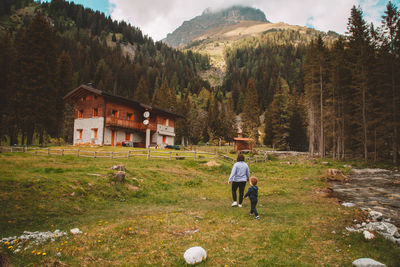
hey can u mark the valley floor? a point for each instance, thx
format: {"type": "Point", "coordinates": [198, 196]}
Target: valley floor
{"type": "Point", "coordinates": [165, 207]}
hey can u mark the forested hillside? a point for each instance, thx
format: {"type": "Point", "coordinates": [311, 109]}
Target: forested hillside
{"type": "Point", "coordinates": [48, 49]}
{"type": "Point", "coordinates": [333, 97]}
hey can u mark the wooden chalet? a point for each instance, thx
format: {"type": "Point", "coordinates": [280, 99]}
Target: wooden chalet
{"type": "Point", "coordinates": [102, 118]}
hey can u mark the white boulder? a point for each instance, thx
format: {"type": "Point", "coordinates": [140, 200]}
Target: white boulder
{"type": "Point", "coordinates": [367, 262]}
{"type": "Point", "coordinates": [75, 231]}
{"type": "Point", "coordinates": [195, 255]}
{"type": "Point", "coordinates": [348, 204]}
{"type": "Point", "coordinates": [375, 215]}
{"type": "Point", "coordinates": [368, 235]}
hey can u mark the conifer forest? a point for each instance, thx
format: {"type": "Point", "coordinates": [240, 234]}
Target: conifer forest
{"type": "Point", "coordinates": [329, 94]}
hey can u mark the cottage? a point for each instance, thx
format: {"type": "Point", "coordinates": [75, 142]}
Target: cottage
{"type": "Point", "coordinates": [102, 118]}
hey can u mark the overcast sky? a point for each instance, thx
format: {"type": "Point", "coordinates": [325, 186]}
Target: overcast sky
{"type": "Point", "coordinates": [156, 18]}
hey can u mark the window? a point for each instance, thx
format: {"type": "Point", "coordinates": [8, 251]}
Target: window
{"type": "Point", "coordinates": [164, 122]}
{"type": "Point", "coordinates": [95, 112]}
{"type": "Point", "coordinates": [95, 97]}
{"type": "Point", "coordinates": [80, 131]}
{"type": "Point", "coordinates": [95, 131]}
{"type": "Point", "coordinates": [127, 136]}
{"type": "Point", "coordinates": [130, 116]}
{"type": "Point", "coordinates": [164, 139]}
{"type": "Point", "coordinates": [115, 113]}
{"type": "Point", "coordinates": [80, 114]}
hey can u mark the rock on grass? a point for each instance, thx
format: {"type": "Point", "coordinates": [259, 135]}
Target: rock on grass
{"type": "Point", "coordinates": [195, 255]}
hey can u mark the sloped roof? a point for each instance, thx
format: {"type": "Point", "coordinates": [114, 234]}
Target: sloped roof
{"type": "Point", "coordinates": [242, 139]}
{"type": "Point", "coordinates": [82, 89]}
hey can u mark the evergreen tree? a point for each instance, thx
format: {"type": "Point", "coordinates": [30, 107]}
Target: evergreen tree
{"type": "Point", "coordinates": [250, 115]}
{"type": "Point", "coordinates": [297, 123]}
{"type": "Point", "coordinates": [161, 96]}
{"type": "Point", "coordinates": [339, 82]}
{"type": "Point", "coordinates": [37, 65]}
{"type": "Point", "coordinates": [7, 91]}
{"type": "Point", "coordinates": [64, 83]}
{"type": "Point", "coordinates": [142, 92]}
{"type": "Point", "coordinates": [316, 76]}
{"type": "Point", "coordinates": [228, 121]}
{"type": "Point", "coordinates": [280, 116]}
{"type": "Point", "coordinates": [359, 60]}
{"type": "Point", "coordinates": [391, 27]}
{"type": "Point", "coordinates": [182, 124]}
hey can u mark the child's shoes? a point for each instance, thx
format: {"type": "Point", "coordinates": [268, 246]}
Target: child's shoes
{"type": "Point", "coordinates": [257, 217]}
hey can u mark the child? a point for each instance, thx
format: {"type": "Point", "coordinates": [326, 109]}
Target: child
{"type": "Point", "coordinates": [252, 193]}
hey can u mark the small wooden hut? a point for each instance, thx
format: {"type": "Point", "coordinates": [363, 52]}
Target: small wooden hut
{"type": "Point", "coordinates": [243, 144]}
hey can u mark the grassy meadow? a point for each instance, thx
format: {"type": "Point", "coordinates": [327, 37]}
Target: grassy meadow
{"type": "Point", "coordinates": [165, 207]}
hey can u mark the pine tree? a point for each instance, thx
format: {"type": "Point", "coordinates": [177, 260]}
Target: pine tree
{"type": "Point", "coordinates": [64, 82]}
{"type": "Point", "coordinates": [250, 115]}
{"type": "Point", "coordinates": [7, 91]}
{"type": "Point", "coordinates": [161, 96]}
{"type": "Point", "coordinates": [37, 66]}
{"type": "Point", "coordinates": [360, 56]}
{"type": "Point", "coordinates": [297, 123]}
{"type": "Point", "coordinates": [228, 121]}
{"type": "Point", "coordinates": [391, 26]}
{"type": "Point", "coordinates": [316, 67]}
{"type": "Point", "coordinates": [339, 82]}
{"type": "Point", "coordinates": [182, 124]}
{"type": "Point", "coordinates": [280, 116]}
{"type": "Point", "coordinates": [141, 93]}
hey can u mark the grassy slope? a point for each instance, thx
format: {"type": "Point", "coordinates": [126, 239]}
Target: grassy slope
{"type": "Point", "coordinates": [148, 227]}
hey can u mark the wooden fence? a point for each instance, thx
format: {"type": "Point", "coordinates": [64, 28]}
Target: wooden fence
{"type": "Point", "coordinates": [147, 153]}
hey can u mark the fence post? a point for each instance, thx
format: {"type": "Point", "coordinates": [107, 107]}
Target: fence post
{"type": "Point", "coordinates": [148, 153]}
{"type": "Point", "coordinates": [62, 152]}
{"type": "Point", "coordinates": [77, 153]}
{"type": "Point", "coordinates": [35, 150]}
{"type": "Point", "coordinates": [112, 154]}
{"type": "Point", "coordinates": [194, 153]}
{"type": "Point", "coordinates": [11, 149]}
{"type": "Point", "coordinates": [129, 153]}
{"type": "Point", "coordinates": [48, 151]}
{"type": "Point", "coordinates": [95, 154]}
{"type": "Point", "coordinates": [170, 153]}
{"type": "Point", "coordinates": [216, 155]}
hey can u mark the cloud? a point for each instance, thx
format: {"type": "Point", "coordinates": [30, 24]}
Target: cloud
{"type": "Point", "coordinates": [157, 18]}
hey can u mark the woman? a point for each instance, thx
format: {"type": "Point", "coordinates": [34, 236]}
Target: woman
{"type": "Point", "coordinates": [239, 176]}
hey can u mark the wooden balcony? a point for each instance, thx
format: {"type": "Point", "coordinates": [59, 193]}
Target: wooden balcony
{"type": "Point", "coordinates": [126, 124]}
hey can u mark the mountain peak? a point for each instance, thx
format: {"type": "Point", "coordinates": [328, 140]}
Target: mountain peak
{"type": "Point", "coordinates": [211, 19]}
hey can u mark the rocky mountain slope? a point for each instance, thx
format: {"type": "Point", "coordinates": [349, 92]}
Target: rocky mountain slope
{"type": "Point", "coordinates": [212, 33]}
{"type": "Point", "coordinates": [210, 20]}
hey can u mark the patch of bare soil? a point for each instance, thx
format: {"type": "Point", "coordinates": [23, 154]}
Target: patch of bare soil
{"type": "Point", "coordinates": [212, 163]}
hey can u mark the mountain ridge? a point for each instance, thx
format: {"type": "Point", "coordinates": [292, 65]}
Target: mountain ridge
{"type": "Point", "coordinates": [208, 20]}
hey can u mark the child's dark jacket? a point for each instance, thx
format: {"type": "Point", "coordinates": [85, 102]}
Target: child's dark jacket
{"type": "Point", "coordinates": [252, 192]}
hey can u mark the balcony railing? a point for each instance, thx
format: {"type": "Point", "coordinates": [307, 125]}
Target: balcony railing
{"type": "Point", "coordinates": [165, 130]}
{"type": "Point", "coordinates": [110, 121]}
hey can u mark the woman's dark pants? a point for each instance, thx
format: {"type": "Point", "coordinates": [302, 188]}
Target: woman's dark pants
{"type": "Point", "coordinates": [235, 186]}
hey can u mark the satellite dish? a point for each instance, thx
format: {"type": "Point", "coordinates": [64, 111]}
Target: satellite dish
{"type": "Point", "coordinates": [146, 122]}
{"type": "Point", "coordinates": [146, 114]}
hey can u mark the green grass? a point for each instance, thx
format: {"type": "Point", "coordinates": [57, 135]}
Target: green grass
{"type": "Point", "coordinates": [148, 220]}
